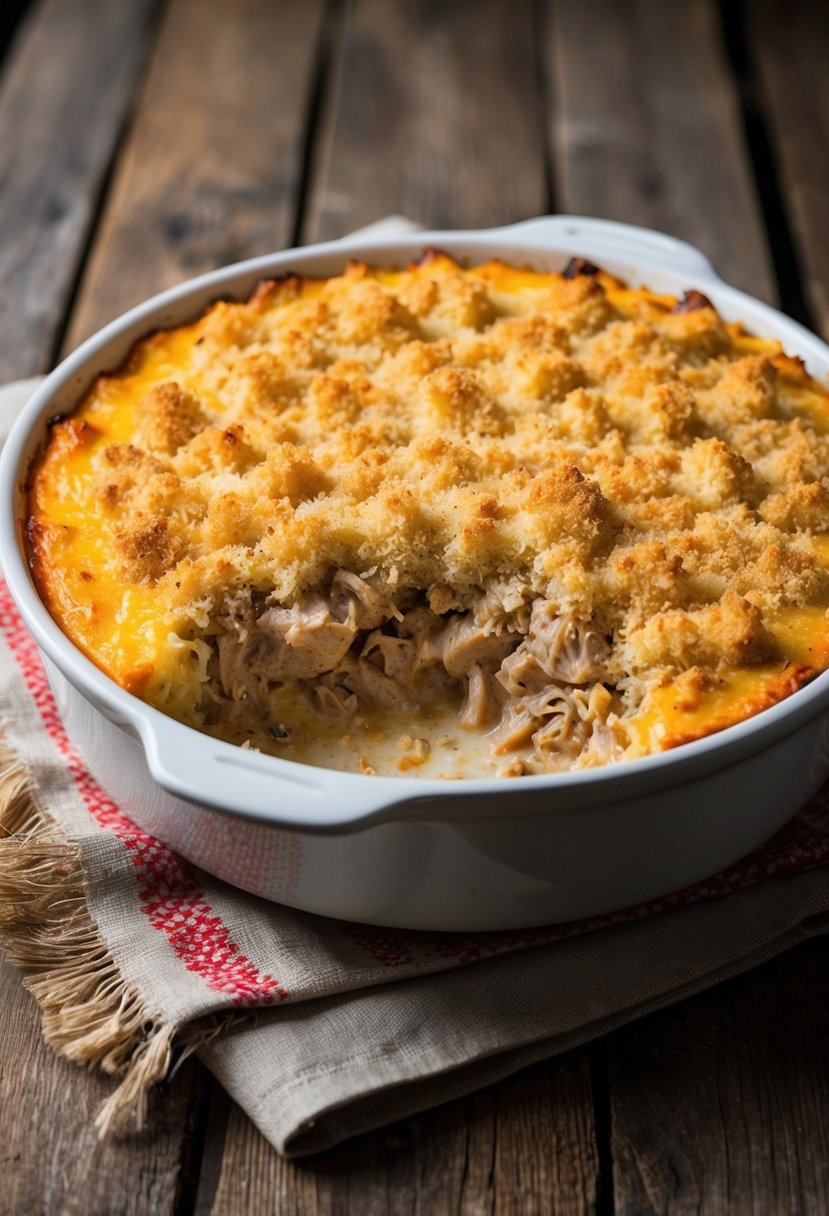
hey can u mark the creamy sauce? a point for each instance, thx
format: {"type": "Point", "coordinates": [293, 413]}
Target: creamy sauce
{"type": "Point", "coordinates": [389, 743]}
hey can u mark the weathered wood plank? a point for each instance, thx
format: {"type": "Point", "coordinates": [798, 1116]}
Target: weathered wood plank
{"type": "Point", "coordinates": [791, 46]}
{"type": "Point", "coordinates": [51, 1161]}
{"type": "Point", "coordinates": [524, 1147]}
{"type": "Point", "coordinates": [188, 194]}
{"type": "Point", "coordinates": [434, 114]}
{"type": "Point", "coordinates": [212, 166]}
{"type": "Point", "coordinates": [645, 127]}
{"type": "Point", "coordinates": [709, 1100]}
{"type": "Point", "coordinates": [721, 1104]}
{"type": "Point", "coordinates": [65, 89]}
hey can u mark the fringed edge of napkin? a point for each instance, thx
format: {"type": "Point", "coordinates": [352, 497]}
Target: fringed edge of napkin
{"type": "Point", "coordinates": [90, 1014]}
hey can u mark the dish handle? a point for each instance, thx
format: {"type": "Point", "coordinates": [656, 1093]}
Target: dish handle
{"type": "Point", "coordinates": [283, 793]}
{"type": "Point", "coordinates": [586, 235]}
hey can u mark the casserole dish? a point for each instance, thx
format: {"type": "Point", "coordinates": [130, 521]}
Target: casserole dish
{"type": "Point", "coordinates": [475, 854]}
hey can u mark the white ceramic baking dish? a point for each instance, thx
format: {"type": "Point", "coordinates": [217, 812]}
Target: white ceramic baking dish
{"type": "Point", "coordinates": [472, 854]}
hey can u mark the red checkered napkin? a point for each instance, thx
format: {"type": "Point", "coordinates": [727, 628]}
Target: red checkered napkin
{"type": "Point", "coordinates": [135, 955]}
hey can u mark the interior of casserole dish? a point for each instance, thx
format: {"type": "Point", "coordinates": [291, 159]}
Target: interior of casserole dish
{"type": "Point", "coordinates": [445, 521]}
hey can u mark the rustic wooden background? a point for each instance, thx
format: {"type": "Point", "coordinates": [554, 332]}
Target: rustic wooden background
{"type": "Point", "coordinates": [143, 141]}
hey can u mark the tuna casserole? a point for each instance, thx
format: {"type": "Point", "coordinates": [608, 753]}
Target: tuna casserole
{"type": "Point", "coordinates": [446, 521]}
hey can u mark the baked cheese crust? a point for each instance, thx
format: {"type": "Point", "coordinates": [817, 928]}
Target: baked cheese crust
{"type": "Point", "coordinates": [503, 446]}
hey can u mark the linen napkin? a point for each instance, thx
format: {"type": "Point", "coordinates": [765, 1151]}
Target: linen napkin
{"type": "Point", "coordinates": [321, 1029]}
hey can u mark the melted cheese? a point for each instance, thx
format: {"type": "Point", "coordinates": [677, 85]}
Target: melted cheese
{"type": "Point", "coordinates": [115, 622]}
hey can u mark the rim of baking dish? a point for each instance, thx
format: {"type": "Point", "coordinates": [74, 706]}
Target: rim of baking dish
{"type": "Point", "coordinates": [198, 768]}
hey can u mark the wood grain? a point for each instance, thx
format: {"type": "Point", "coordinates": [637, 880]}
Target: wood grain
{"type": "Point", "coordinates": [645, 128]}
{"type": "Point", "coordinates": [51, 1161]}
{"type": "Point", "coordinates": [434, 114]}
{"type": "Point", "coordinates": [791, 47]}
{"type": "Point", "coordinates": [721, 1104]}
{"type": "Point", "coordinates": [211, 170]}
{"type": "Point", "coordinates": [524, 1147]}
{"type": "Point", "coordinates": [65, 88]}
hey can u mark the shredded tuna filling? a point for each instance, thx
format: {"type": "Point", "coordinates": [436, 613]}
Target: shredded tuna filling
{"type": "Point", "coordinates": [533, 676]}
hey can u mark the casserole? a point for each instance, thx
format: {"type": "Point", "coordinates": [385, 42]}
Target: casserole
{"type": "Point", "coordinates": [472, 854]}
{"type": "Point", "coordinates": [517, 521]}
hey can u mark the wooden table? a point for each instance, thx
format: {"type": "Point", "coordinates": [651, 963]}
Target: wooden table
{"type": "Point", "coordinates": [142, 142]}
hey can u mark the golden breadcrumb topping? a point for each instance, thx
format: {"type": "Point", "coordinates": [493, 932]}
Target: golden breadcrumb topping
{"type": "Point", "coordinates": [455, 438]}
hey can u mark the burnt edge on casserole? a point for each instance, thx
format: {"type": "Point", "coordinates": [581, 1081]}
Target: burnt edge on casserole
{"type": "Point", "coordinates": [582, 516]}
